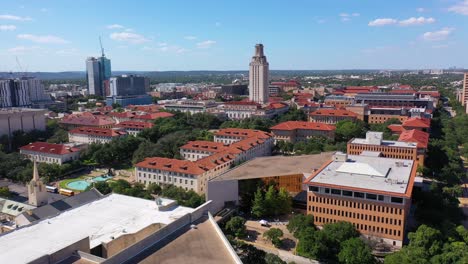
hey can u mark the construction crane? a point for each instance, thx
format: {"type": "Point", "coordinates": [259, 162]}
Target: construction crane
{"type": "Point", "coordinates": [25, 71]}
{"type": "Point", "coordinates": [102, 49]}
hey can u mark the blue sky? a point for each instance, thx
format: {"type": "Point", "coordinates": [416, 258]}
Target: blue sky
{"type": "Point", "coordinates": [220, 35]}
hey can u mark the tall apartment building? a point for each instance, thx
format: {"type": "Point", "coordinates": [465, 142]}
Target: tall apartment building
{"type": "Point", "coordinates": [408, 148]}
{"type": "Point", "coordinates": [98, 72]}
{"type": "Point", "coordinates": [128, 90]}
{"type": "Point", "coordinates": [258, 77]}
{"type": "Point", "coordinates": [464, 95]}
{"type": "Point", "coordinates": [21, 92]}
{"type": "Point", "coordinates": [372, 193]}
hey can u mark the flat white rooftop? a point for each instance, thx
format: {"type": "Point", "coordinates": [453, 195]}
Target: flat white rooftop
{"type": "Point", "coordinates": [111, 216]}
{"type": "Point", "coordinates": [367, 172]}
{"type": "Point", "coordinates": [389, 143]}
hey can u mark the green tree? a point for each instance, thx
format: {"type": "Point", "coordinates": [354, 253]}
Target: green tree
{"type": "Point", "coordinates": [274, 235]}
{"type": "Point", "coordinates": [154, 188]}
{"type": "Point", "coordinates": [347, 129]}
{"type": "Point", "coordinates": [236, 226]}
{"type": "Point", "coordinates": [103, 187]}
{"type": "Point", "coordinates": [284, 201]}
{"type": "Point", "coordinates": [355, 251]}
{"type": "Point", "coordinates": [300, 222]}
{"type": "Point", "coordinates": [312, 244]}
{"type": "Point", "coordinates": [273, 259]}
{"type": "Point", "coordinates": [271, 201]}
{"type": "Point", "coordinates": [5, 192]}
{"type": "Point", "coordinates": [258, 204]}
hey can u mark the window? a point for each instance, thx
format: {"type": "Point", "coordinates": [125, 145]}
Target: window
{"type": "Point", "coordinates": [313, 189]}
{"type": "Point", "coordinates": [347, 193]}
{"type": "Point", "coordinates": [359, 195]}
{"type": "Point", "coordinates": [381, 197]}
{"type": "Point", "coordinates": [327, 190]}
{"type": "Point", "coordinates": [371, 196]}
{"type": "Point", "coordinates": [397, 200]}
{"type": "Point", "coordinates": [336, 191]}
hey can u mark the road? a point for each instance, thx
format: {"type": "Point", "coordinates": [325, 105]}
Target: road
{"type": "Point", "coordinates": [284, 255]}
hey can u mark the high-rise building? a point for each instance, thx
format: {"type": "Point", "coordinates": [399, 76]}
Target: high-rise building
{"type": "Point", "coordinates": [258, 77]}
{"type": "Point", "coordinates": [98, 73]}
{"type": "Point", "coordinates": [128, 90]}
{"type": "Point", "coordinates": [464, 94]}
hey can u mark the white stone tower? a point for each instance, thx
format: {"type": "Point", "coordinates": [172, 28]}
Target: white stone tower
{"type": "Point", "coordinates": [258, 77]}
{"type": "Point", "coordinates": [36, 189]}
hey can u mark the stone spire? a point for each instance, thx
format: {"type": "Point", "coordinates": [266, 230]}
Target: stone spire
{"type": "Point", "coordinates": [35, 172]}
{"type": "Point", "coordinates": [37, 193]}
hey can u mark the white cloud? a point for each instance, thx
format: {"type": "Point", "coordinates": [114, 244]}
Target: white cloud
{"type": "Point", "coordinates": [205, 44]}
{"type": "Point", "coordinates": [115, 26]}
{"type": "Point", "coordinates": [7, 27]}
{"type": "Point", "coordinates": [412, 21]}
{"type": "Point", "coordinates": [421, 10]}
{"type": "Point", "coordinates": [460, 8]}
{"type": "Point", "coordinates": [190, 37]}
{"type": "Point", "coordinates": [347, 17]}
{"type": "Point", "coordinates": [355, 14]}
{"type": "Point", "coordinates": [50, 39]}
{"type": "Point", "coordinates": [147, 48]}
{"type": "Point", "coordinates": [129, 37]}
{"type": "Point", "coordinates": [15, 18]}
{"type": "Point", "coordinates": [382, 22]}
{"type": "Point", "coordinates": [22, 49]}
{"type": "Point", "coordinates": [321, 21]}
{"type": "Point", "coordinates": [162, 44]}
{"type": "Point", "coordinates": [417, 21]}
{"type": "Point", "coordinates": [438, 35]}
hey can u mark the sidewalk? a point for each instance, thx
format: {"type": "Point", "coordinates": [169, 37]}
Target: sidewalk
{"type": "Point", "coordinates": [284, 255]}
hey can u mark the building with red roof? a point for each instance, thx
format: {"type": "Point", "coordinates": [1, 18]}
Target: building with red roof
{"type": "Point", "coordinates": [152, 116]}
{"type": "Point", "coordinates": [295, 131]}
{"type": "Point", "coordinates": [331, 116]}
{"type": "Point", "coordinates": [423, 124]}
{"type": "Point", "coordinates": [204, 159]}
{"type": "Point", "coordinates": [422, 141]}
{"type": "Point", "coordinates": [88, 135]}
{"type": "Point", "coordinates": [86, 119]}
{"type": "Point", "coordinates": [50, 153]}
{"type": "Point", "coordinates": [134, 127]}
{"type": "Point", "coordinates": [287, 86]}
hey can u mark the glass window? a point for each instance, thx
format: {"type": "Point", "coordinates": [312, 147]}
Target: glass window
{"type": "Point", "coordinates": [327, 190]}
{"type": "Point", "coordinates": [313, 188]}
{"type": "Point", "coordinates": [336, 191]}
{"type": "Point", "coordinates": [347, 193]}
{"type": "Point", "coordinates": [381, 197]}
{"type": "Point", "coordinates": [359, 195]}
{"type": "Point", "coordinates": [371, 196]}
{"type": "Point", "coordinates": [397, 200]}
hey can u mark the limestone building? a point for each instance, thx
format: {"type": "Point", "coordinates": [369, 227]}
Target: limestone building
{"type": "Point", "coordinates": [258, 77]}
{"type": "Point", "coordinates": [37, 192]}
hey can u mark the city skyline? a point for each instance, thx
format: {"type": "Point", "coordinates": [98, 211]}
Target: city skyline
{"type": "Point", "coordinates": [209, 35]}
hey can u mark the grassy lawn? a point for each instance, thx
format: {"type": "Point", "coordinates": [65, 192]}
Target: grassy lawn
{"type": "Point", "coordinates": [63, 183]}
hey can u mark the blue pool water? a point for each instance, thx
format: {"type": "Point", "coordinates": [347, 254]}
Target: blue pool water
{"type": "Point", "coordinates": [81, 185]}
{"type": "Point", "coordinates": [78, 185]}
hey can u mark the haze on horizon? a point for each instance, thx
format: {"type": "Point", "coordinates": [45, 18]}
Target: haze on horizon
{"type": "Point", "coordinates": [57, 36]}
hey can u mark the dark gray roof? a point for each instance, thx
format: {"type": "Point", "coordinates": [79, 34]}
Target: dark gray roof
{"type": "Point", "coordinates": [63, 205]}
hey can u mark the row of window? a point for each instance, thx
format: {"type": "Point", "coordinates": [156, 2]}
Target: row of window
{"type": "Point", "coordinates": [360, 195]}
{"type": "Point", "coordinates": [170, 173]}
{"type": "Point", "coordinates": [357, 205]}
{"type": "Point", "coordinates": [144, 182]}
{"type": "Point", "coordinates": [354, 215]}
{"type": "Point", "coordinates": [362, 227]}
{"type": "Point", "coordinates": [164, 178]}
{"type": "Point", "coordinates": [386, 150]}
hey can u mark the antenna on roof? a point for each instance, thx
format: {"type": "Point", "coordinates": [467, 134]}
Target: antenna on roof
{"type": "Point", "coordinates": [102, 49]}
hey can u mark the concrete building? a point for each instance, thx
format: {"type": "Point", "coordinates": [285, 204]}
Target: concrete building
{"type": "Point", "coordinates": [339, 101]}
{"type": "Point", "coordinates": [88, 135]}
{"type": "Point", "coordinates": [50, 153]}
{"type": "Point", "coordinates": [332, 116]}
{"type": "Point", "coordinates": [24, 119]}
{"type": "Point", "coordinates": [288, 172]}
{"type": "Point", "coordinates": [191, 106]}
{"type": "Point", "coordinates": [128, 90]}
{"type": "Point", "coordinates": [86, 119]}
{"type": "Point", "coordinates": [295, 131]}
{"type": "Point", "coordinates": [464, 94]}
{"type": "Point", "coordinates": [98, 73]}
{"type": "Point", "coordinates": [393, 100]}
{"type": "Point", "coordinates": [258, 77]}
{"type": "Point", "coordinates": [372, 193]}
{"type": "Point", "coordinates": [401, 149]}
{"type": "Point", "coordinates": [234, 89]}
{"type": "Point", "coordinates": [134, 127]}
{"type": "Point", "coordinates": [199, 149]}
{"type": "Point", "coordinates": [121, 229]}
{"type": "Point", "coordinates": [37, 193]}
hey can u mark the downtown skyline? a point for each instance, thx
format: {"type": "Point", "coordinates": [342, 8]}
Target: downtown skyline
{"type": "Point", "coordinates": [207, 35]}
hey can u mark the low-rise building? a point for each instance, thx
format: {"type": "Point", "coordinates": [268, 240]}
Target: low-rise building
{"type": "Point", "coordinates": [134, 127]}
{"type": "Point", "coordinates": [332, 116]}
{"type": "Point", "coordinates": [372, 193]}
{"type": "Point", "coordinates": [86, 119]}
{"type": "Point", "coordinates": [195, 150]}
{"type": "Point", "coordinates": [231, 135]}
{"type": "Point", "coordinates": [50, 153]}
{"type": "Point", "coordinates": [88, 135]}
{"type": "Point", "coordinates": [338, 101]}
{"type": "Point", "coordinates": [295, 131]}
{"type": "Point", "coordinates": [190, 106]}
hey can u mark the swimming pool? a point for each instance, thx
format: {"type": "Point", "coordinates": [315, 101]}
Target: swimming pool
{"type": "Point", "coordinates": [82, 185]}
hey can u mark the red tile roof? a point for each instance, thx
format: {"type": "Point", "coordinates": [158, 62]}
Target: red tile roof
{"type": "Point", "coordinates": [288, 83]}
{"type": "Point", "coordinates": [242, 133]}
{"type": "Point", "coordinates": [242, 103]}
{"type": "Point", "coordinates": [204, 146]}
{"type": "Point", "coordinates": [414, 135]}
{"type": "Point", "coordinates": [293, 125]}
{"type": "Point", "coordinates": [97, 131]}
{"type": "Point", "coordinates": [174, 165]}
{"type": "Point", "coordinates": [135, 124]}
{"type": "Point", "coordinates": [123, 114]}
{"type": "Point", "coordinates": [402, 91]}
{"type": "Point", "coordinates": [405, 86]}
{"type": "Point", "coordinates": [87, 119]}
{"type": "Point", "coordinates": [333, 112]}
{"type": "Point", "coordinates": [435, 94]}
{"type": "Point", "coordinates": [145, 108]}
{"type": "Point", "coordinates": [396, 129]}
{"type": "Point", "coordinates": [417, 122]}
{"type": "Point", "coordinates": [153, 116]}
{"type": "Point", "coordinates": [277, 105]}
{"type": "Point", "coordinates": [44, 147]}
